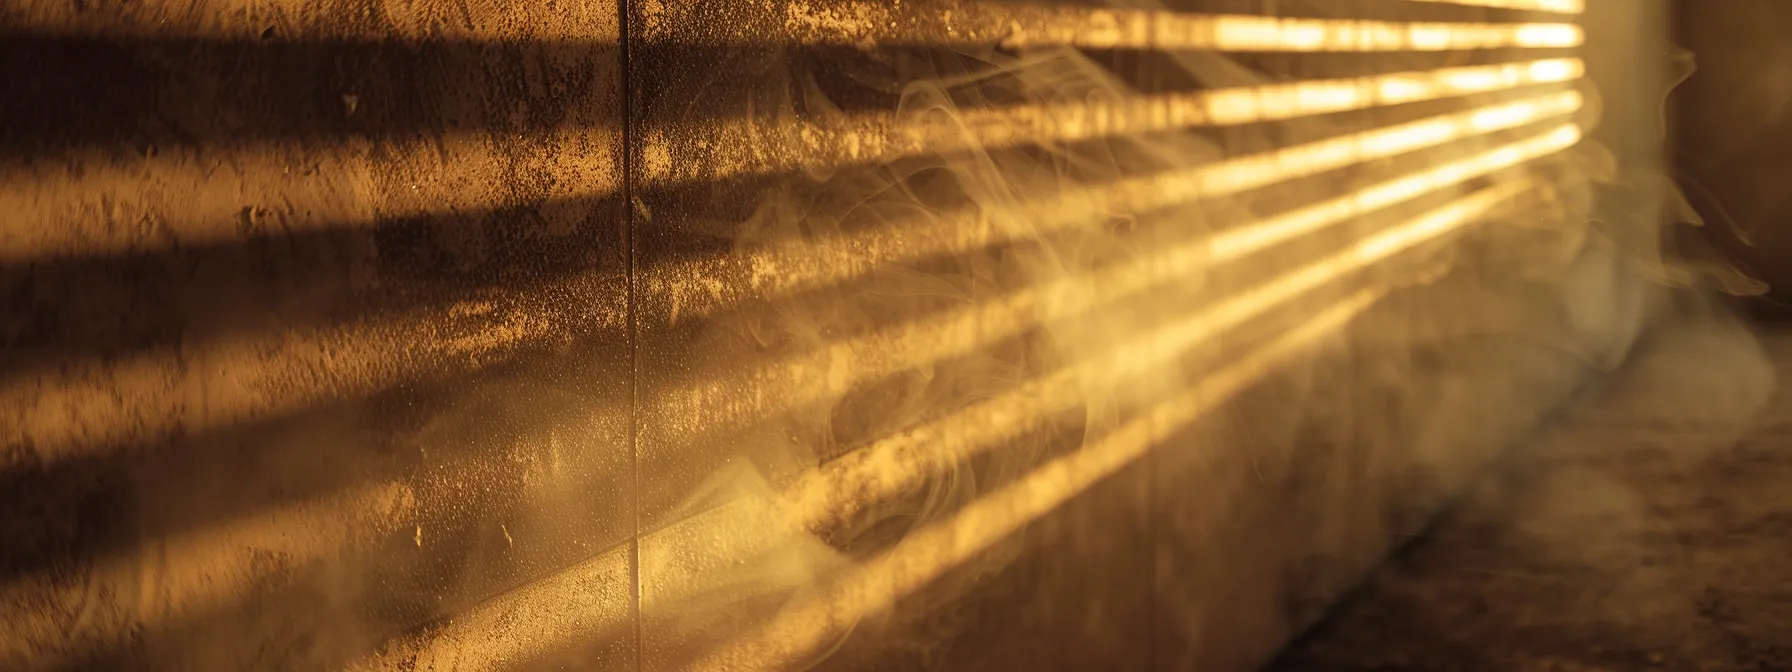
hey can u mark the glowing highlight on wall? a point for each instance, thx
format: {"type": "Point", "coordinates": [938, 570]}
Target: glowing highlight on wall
{"type": "Point", "coordinates": [845, 365]}
{"type": "Point", "coordinates": [698, 287]}
{"type": "Point", "coordinates": [841, 488]}
{"type": "Point", "coordinates": [731, 148]}
{"type": "Point", "coordinates": [927, 553]}
{"type": "Point", "coordinates": [1022, 26]}
{"type": "Point", "coordinates": [1557, 6]}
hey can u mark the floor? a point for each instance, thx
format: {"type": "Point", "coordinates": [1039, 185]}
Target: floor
{"type": "Point", "coordinates": [1649, 529]}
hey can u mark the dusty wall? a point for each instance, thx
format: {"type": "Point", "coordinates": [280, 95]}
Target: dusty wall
{"type": "Point", "coordinates": [356, 334]}
{"type": "Point", "coordinates": [295, 292]}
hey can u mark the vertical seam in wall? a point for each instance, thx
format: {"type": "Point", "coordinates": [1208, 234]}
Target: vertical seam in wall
{"type": "Point", "coordinates": [632, 303]}
{"type": "Point", "coordinates": [1154, 536]}
{"type": "Point", "coordinates": [1151, 462]}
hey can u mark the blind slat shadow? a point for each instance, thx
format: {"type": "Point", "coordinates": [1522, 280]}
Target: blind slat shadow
{"type": "Point", "coordinates": [65, 92]}
{"type": "Point", "coordinates": [328, 275]}
{"type": "Point", "coordinates": [128, 93]}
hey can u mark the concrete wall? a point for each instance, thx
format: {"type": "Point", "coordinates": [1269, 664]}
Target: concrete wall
{"type": "Point", "coordinates": [356, 334]}
{"type": "Point", "coordinates": [298, 296]}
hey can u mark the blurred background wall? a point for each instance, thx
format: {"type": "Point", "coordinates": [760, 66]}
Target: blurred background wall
{"type": "Point", "coordinates": [1730, 133]}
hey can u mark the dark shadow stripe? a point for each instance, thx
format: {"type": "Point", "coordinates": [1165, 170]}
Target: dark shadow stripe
{"type": "Point", "coordinates": [104, 305]}
{"type": "Point", "coordinates": [130, 92]}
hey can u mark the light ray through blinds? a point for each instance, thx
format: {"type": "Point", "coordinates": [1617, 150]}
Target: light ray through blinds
{"type": "Point", "coordinates": [1436, 127]}
{"type": "Point", "coordinates": [846, 365]}
{"type": "Point", "coordinates": [816, 263]}
{"type": "Point", "coordinates": [763, 334]}
{"type": "Point", "coordinates": [1020, 25]}
{"type": "Point", "coordinates": [731, 148]}
{"type": "Point", "coordinates": [1558, 6]}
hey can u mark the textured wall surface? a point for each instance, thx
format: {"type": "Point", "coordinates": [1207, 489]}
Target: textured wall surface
{"type": "Point", "coordinates": [309, 306]}
{"type": "Point", "coordinates": [510, 335]}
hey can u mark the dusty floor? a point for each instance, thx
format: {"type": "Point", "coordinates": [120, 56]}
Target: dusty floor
{"type": "Point", "coordinates": [1651, 529]}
